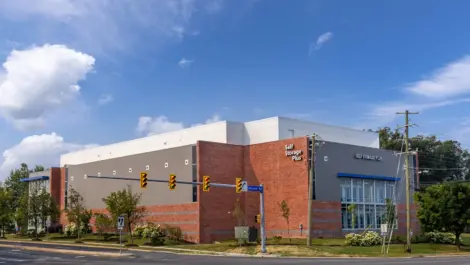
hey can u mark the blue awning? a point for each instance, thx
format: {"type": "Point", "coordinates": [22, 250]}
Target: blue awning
{"type": "Point", "coordinates": [362, 176]}
{"type": "Point", "coordinates": [35, 178]}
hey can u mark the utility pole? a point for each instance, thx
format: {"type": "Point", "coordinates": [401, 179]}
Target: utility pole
{"type": "Point", "coordinates": [311, 173]}
{"type": "Point", "coordinates": [407, 179]}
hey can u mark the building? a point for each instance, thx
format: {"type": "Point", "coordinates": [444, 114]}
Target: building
{"type": "Point", "coordinates": [49, 180]}
{"type": "Point", "coordinates": [274, 152]}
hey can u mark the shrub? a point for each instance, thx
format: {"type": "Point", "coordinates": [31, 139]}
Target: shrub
{"type": "Point", "coordinates": [174, 233]}
{"type": "Point", "coordinates": [150, 230]}
{"type": "Point", "coordinates": [370, 238]}
{"type": "Point", "coordinates": [277, 239]}
{"type": "Point", "coordinates": [441, 238]}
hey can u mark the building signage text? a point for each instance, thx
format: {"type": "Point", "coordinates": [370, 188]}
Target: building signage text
{"type": "Point", "coordinates": [368, 157]}
{"type": "Point", "coordinates": [296, 155]}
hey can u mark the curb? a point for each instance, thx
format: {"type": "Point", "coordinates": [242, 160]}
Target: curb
{"type": "Point", "coordinates": [69, 251]}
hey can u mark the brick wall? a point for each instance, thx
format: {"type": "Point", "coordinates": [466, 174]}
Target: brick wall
{"type": "Point", "coordinates": [283, 179]}
{"type": "Point", "coordinates": [184, 216]}
{"type": "Point", "coordinates": [63, 172]}
{"type": "Point", "coordinates": [223, 163]}
{"type": "Point", "coordinates": [55, 185]}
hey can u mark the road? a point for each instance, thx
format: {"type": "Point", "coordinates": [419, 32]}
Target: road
{"type": "Point", "coordinates": [15, 256]}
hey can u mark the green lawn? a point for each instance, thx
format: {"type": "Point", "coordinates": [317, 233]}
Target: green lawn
{"type": "Point", "coordinates": [286, 247]}
{"type": "Point", "coordinates": [87, 238]}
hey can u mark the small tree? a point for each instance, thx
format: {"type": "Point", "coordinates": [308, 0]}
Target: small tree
{"type": "Point", "coordinates": [390, 215]}
{"type": "Point", "coordinates": [35, 208]}
{"type": "Point", "coordinates": [76, 210]}
{"type": "Point", "coordinates": [238, 213]}
{"type": "Point", "coordinates": [45, 203]}
{"type": "Point", "coordinates": [286, 214]}
{"type": "Point", "coordinates": [6, 211]}
{"type": "Point", "coordinates": [103, 224]}
{"type": "Point", "coordinates": [125, 203]}
{"type": "Point", "coordinates": [352, 211]}
{"type": "Point", "coordinates": [445, 207]}
{"type": "Point", "coordinates": [21, 213]}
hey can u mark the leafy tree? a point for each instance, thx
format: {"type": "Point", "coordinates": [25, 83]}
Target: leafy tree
{"type": "Point", "coordinates": [49, 208]}
{"type": "Point", "coordinates": [103, 224]}
{"type": "Point", "coordinates": [352, 209]}
{"type": "Point", "coordinates": [76, 210]}
{"type": "Point", "coordinates": [286, 214]}
{"type": "Point", "coordinates": [34, 212]}
{"type": "Point", "coordinates": [6, 211]}
{"type": "Point", "coordinates": [21, 213]}
{"type": "Point", "coordinates": [125, 203]}
{"type": "Point", "coordinates": [445, 207]}
{"type": "Point", "coordinates": [390, 215]}
{"type": "Point", "coordinates": [13, 183]}
{"type": "Point", "coordinates": [438, 160]}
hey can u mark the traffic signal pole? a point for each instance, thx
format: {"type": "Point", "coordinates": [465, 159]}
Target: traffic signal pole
{"type": "Point", "coordinates": [259, 189]}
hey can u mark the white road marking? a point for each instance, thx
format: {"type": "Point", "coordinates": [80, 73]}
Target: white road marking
{"type": "Point", "coordinates": [15, 260]}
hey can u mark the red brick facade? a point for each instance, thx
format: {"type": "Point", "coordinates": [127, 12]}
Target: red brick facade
{"type": "Point", "coordinates": [211, 217]}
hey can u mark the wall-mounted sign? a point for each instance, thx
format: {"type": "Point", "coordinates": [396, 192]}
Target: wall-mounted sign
{"type": "Point", "coordinates": [368, 157]}
{"type": "Point", "coordinates": [296, 155]}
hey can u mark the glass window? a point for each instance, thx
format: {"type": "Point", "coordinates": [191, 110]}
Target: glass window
{"type": "Point", "coordinates": [360, 216]}
{"type": "Point", "coordinates": [358, 194]}
{"type": "Point", "coordinates": [370, 216]}
{"type": "Point", "coordinates": [379, 192]}
{"type": "Point", "coordinates": [379, 213]}
{"type": "Point", "coordinates": [368, 191]}
{"type": "Point", "coordinates": [390, 190]}
{"type": "Point", "coordinates": [345, 217]}
{"type": "Point", "coordinates": [345, 190]}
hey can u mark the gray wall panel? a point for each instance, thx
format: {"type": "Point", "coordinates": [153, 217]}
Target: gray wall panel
{"type": "Point", "coordinates": [341, 158]}
{"type": "Point", "coordinates": [156, 193]}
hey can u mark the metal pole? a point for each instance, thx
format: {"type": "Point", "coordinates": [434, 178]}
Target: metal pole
{"type": "Point", "coordinates": [263, 225]}
{"type": "Point", "coordinates": [407, 178]}
{"type": "Point", "coordinates": [120, 241]}
{"type": "Point", "coordinates": [310, 192]}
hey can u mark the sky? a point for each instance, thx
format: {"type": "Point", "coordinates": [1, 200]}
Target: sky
{"type": "Point", "coordinates": [80, 73]}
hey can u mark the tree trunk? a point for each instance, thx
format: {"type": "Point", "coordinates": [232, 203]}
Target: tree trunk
{"type": "Point", "coordinates": [457, 240]}
{"type": "Point", "coordinates": [36, 226]}
{"type": "Point", "coordinates": [129, 230]}
{"type": "Point", "coordinates": [288, 230]}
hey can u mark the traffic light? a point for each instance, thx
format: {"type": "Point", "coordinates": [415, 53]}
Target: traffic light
{"type": "Point", "coordinates": [143, 180]}
{"type": "Point", "coordinates": [172, 182]}
{"type": "Point", "coordinates": [206, 183]}
{"type": "Point", "coordinates": [258, 218]}
{"type": "Point", "coordinates": [238, 185]}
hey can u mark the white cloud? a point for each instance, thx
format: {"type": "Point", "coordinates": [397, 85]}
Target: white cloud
{"type": "Point", "coordinates": [184, 63]}
{"type": "Point", "coordinates": [44, 149]}
{"type": "Point", "coordinates": [385, 113]}
{"type": "Point", "coordinates": [117, 24]}
{"type": "Point", "coordinates": [448, 81]}
{"type": "Point", "coordinates": [161, 124]}
{"type": "Point", "coordinates": [321, 40]}
{"type": "Point", "coordinates": [39, 80]}
{"type": "Point", "coordinates": [105, 99]}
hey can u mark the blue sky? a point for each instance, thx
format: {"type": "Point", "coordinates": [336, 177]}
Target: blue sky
{"type": "Point", "coordinates": [350, 63]}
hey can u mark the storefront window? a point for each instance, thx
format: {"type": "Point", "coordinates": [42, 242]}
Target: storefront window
{"type": "Point", "coordinates": [369, 198]}
{"type": "Point", "coordinates": [379, 191]}
{"type": "Point", "coordinates": [345, 190]}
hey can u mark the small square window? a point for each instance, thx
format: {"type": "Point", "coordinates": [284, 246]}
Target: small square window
{"type": "Point", "coordinates": [166, 164]}
{"type": "Point", "coordinates": [147, 167]}
{"type": "Point", "coordinates": [130, 170]}
{"type": "Point", "coordinates": [186, 162]}
{"type": "Point", "coordinates": [99, 174]}
{"type": "Point", "coordinates": [71, 178]}
{"type": "Point", "coordinates": [114, 172]}
{"type": "Point", "coordinates": [84, 176]}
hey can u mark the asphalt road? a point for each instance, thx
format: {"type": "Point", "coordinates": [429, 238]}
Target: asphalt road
{"type": "Point", "coordinates": [15, 256]}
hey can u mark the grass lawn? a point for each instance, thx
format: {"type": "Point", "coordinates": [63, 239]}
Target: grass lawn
{"type": "Point", "coordinates": [87, 238]}
{"type": "Point", "coordinates": [286, 247]}
{"type": "Point", "coordinates": [328, 248]}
